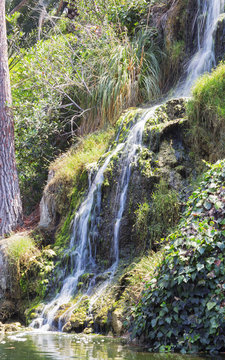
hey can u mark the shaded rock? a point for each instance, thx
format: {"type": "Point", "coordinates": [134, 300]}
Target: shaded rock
{"type": "Point", "coordinates": [220, 39]}
{"type": "Point", "coordinates": [117, 324]}
{"type": "Point", "coordinates": [7, 309]}
{"type": "Point", "coordinates": [88, 331]}
{"type": "Point", "coordinates": [102, 277]}
{"type": "Point", "coordinates": [67, 327]}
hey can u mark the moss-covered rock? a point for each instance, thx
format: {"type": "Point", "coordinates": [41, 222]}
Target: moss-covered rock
{"type": "Point", "coordinates": [175, 21]}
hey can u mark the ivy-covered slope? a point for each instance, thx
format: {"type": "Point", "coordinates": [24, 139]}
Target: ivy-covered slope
{"type": "Point", "coordinates": [183, 307]}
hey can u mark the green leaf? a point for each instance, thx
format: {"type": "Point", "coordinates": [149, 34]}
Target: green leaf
{"type": "Point", "coordinates": [218, 205]}
{"type": "Point", "coordinates": [207, 205]}
{"type": "Point", "coordinates": [153, 322]}
{"type": "Point", "coordinates": [168, 320]}
{"type": "Point", "coordinates": [200, 267]}
{"type": "Point", "coordinates": [211, 305]}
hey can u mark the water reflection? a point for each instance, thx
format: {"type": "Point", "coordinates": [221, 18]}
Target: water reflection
{"type": "Point", "coordinates": [56, 346]}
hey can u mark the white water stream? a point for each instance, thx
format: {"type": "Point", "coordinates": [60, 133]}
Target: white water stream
{"type": "Point", "coordinates": [86, 219]}
{"type": "Point", "coordinates": [207, 16]}
{"type": "Point", "coordinates": [85, 224]}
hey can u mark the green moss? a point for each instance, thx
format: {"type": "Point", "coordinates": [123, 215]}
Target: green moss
{"type": "Point", "coordinates": [155, 124]}
{"type": "Point", "coordinates": [177, 52]}
{"type": "Point", "coordinates": [31, 309]}
{"type": "Point", "coordinates": [63, 234]}
{"type": "Point", "coordinates": [131, 283]}
{"type": "Point", "coordinates": [126, 121]}
{"type": "Point", "coordinates": [141, 225]}
{"type": "Point", "coordinates": [35, 275]}
{"type": "Point", "coordinates": [79, 315]}
{"type": "Point", "coordinates": [165, 212]}
{"type": "Point", "coordinates": [146, 163]}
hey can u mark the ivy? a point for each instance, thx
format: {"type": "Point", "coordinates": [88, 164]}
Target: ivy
{"type": "Point", "coordinates": [183, 307]}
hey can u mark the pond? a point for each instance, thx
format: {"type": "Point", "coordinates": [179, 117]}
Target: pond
{"type": "Point", "coordinates": [58, 346]}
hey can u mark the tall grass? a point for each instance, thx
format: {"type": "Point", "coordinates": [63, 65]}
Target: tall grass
{"type": "Point", "coordinates": [206, 111]}
{"type": "Point", "coordinates": [21, 250]}
{"type": "Point", "coordinates": [124, 73]}
{"type": "Point", "coordinates": [70, 166]}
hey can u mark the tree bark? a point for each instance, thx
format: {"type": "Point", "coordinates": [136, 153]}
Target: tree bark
{"type": "Point", "coordinates": [18, 7]}
{"type": "Point", "coordinates": [10, 202]}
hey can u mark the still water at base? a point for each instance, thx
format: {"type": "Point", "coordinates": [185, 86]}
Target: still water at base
{"type": "Point", "coordinates": [57, 346]}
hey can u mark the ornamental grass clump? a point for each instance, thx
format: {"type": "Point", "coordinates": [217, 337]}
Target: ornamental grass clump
{"type": "Point", "coordinates": [206, 111]}
{"type": "Point", "coordinates": [21, 250]}
{"type": "Point", "coordinates": [183, 307]}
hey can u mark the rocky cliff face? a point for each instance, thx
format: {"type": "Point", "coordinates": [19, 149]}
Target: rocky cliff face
{"type": "Point", "coordinates": [164, 158]}
{"type": "Point", "coordinates": [220, 39]}
{"type": "Point", "coordinates": [165, 154]}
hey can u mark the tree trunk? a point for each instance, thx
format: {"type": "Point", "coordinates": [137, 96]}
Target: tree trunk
{"type": "Point", "coordinates": [10, 202]}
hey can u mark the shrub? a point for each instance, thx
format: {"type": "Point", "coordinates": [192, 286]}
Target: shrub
{"type": "Point", "coordinates": [31, 267]}
{"type": "Point", "coordinates": [182, 308]}
{"type": "Point", "coordinates": [142, 221]}
{"type": "Point", "coordinates": [165, 212]}
{"type": "Point", "coordinates": [20, 249]}
{"type": "Point", "coordinates": [40, 125]}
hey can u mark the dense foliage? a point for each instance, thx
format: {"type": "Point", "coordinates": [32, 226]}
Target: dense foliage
{"type": "Point", "coordinates": [41, 123]}
{"type": "Point", "coordinates": [61, 89]}
{"type": "Point", "coordinates": [182, 308]}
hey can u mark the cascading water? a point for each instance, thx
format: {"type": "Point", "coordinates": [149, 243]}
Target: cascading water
{"type": "Point", "coordinates": [85, 224]}
{"type": "Point", "coordinates": [204, 59]}
{"type": "Point", "coordinates": [80, 257]}
{"type": "Point", "coordinates": [132, 144]}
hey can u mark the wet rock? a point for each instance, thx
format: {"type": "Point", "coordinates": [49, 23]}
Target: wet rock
{"type": "Point", "coordinates": [88, 331]}
{"type": "Point", "coordinates": [7, 309]}
{"type": "Point", "coordinates": [176, 23]}
{"type": "Point", "coordinates": [34, 313]}
{"type": "Point", "coordinates": [77, 323]}
{"type": "Point", "coordinates": [102, 277]}
{"type": "Point", "coordinates": [220, 39]}
{"type": "Point", "coordinates": [67, 327]}
{"type": "Point", "coordinates": [48, 206]}
{"type": "Point", "coordinates": [117, 324]}
{"type": "Point", "coordinates": [10, 327]}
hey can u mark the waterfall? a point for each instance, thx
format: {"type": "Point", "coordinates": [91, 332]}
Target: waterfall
{"type": "Point", "coordinates": [81, 256]}
{"type": "Point", "coordinates": [132, 144]}
{"type": "Point", "coordinates": [86, 220]}
{"type": "Point", "coordinates": [203, 60]}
